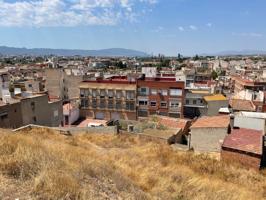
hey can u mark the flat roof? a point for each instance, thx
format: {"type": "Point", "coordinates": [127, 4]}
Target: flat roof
{"type": "Point", "coordinates": [258, 115]}
{"type": "Point", "coordinates": [116, 86]}
{"type": "Point", "coordinates": [217, 97]}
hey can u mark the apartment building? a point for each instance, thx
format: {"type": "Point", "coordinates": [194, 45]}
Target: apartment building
{"type": "Point", "coordinates": [34, 109]}
{"type": "Point", "coordinates": [243, 83]}
{"type": "Point", "coordinates": [111, 98]}
{"type": "Point", "coordinates": [62, 85]}
{"type": "Point", "coordinates": [161, 96]}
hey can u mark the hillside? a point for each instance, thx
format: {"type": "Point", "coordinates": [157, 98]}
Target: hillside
{"type": "Point", "coordinates": [113, 52]}
{"type": "Point", "coordinates": [41, 164]}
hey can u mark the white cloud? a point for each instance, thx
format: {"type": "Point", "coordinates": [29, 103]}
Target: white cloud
{"type": "Point", "coordinates": [192, 27]}
{"type": "Point", "coordinates": [181, 28]}
{"type": "Point", "coordinates": [41, 13]}
{"type": "Point", "coordinates": [251, 34]}
{"type": "Point", "coordinates": [209, 24]}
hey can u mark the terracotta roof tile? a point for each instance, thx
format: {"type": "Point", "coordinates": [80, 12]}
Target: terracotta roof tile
{"type": "Point", "coordinates": [172, 122]}
{"type": "Point", "coordinates": [242, 105]}
{"type": "Point", "coordinates": [221, 121]}
{"type": "Point", "coordinates": [247, 140]}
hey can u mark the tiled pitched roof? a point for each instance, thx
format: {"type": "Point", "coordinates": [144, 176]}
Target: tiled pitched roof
{"type": "Point", "coordinates": [172, 122]}
{"type": "Point", "coordinates": [242, 105]}
{"type": "Point", "coordinates": [221, 121]}
{"type": "Point", "coordinates": [246, 140]}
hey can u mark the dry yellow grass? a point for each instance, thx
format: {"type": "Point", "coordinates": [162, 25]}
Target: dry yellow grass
{"type": "Point", "coordinates": [41, 164]}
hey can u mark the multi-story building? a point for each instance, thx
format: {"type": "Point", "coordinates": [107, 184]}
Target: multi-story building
{"type": "Point", "coordinates": [243, 83]}
{"type": "Point", "coordinates": [111, 98]}
{"type": "Point", "coordinates": [34, 109]}
{"type": "Point", "coordinates": [160, 95]}
{"type": "Point", "coordinates": [62, 85]}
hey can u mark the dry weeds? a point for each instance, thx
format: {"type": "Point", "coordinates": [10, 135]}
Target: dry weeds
{"type": "Point", "coordinates": [41, 164]}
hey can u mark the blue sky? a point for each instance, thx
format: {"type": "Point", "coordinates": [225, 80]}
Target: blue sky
{"type": "Point", "coordinates": [154, 26]}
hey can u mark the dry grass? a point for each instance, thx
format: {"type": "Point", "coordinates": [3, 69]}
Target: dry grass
{"type": "Point", "coordinates": [41, 164]}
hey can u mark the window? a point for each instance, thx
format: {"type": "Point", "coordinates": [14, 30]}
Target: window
{"type": "Point", "coordinates": [174, 104]}
{"type": "Point", "coordinates": [118, 94]}
{"type": "Point", "coordinates": [102, 94]}
{"type": "Point", "coordinates": [194, 101]}
{"type": "Point", "coordinates": [102, 104]}
{"type": "Point", "coordinates": [187, 101]}
{"type": "Point", "coordinates": [34, 119]}
{"type": "Point", "coordinates": [130, 106]}
{"type": "Point", "coordinates": [153, 103]}
{"type": "Point", "coordinates": [86, 92]}
{"type": "Point", "coordinates": [4, 116]}
{"type": "Point", "coordinates": [110, 94]}
{"type": "Point", "coordinates": [153, 92]}
{"type": "Point", "coordinates": [143, 102]}
{"type": "Point", "coordinates": [94, 93]}
{"type": "Point", "coordinates": [94, 103]}
{"type": "Point", "coordinates": [175, 92]}
{"type": "Point", "coordinates": [110, 104]}
{"type": "Point", "coordinates": [164, 92]}
{"type": "Point", "coordinates": [82, 92]}
{"type": "Point", "coordinates": [163, 104]}
{"type": "Point", "coordinates": [118, 105]}
{"type": "Point", "coordinates": [86, 103]}
{"type": "Point", "coordinates": [130, 95]}
{"type": "Point", "coordinates": [30, 85]}
{"type": "Point", "coordinates": [163, 113]}
{"type": "Point", "coordinates": [143, 91]}
{"type": "Point", "coordinates": [32, 105]}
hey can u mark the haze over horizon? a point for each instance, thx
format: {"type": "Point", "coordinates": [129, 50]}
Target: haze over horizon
{"type": "Point", "coordinates": [153, 26]}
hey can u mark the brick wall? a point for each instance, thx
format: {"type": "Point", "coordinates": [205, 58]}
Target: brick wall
{"type": "Point", "coordinates": [249, 161]}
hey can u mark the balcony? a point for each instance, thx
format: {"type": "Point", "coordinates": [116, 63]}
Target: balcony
{"type": "Point", "coordinates": [142, 94]}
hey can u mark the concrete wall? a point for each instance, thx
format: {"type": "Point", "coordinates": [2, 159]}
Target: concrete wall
{"type": "Point", "coordinates": [207, 139]}
{"type": "Point", "coordinates": [249, 161]}
{"type": "Point", "coordinates": [71, 86]}
{"type": "Point", "coordinates": [61, 85]}
{"type": "Point", "coordinates": [72, 116]}
{"type": "Point", "coordinates": [214, 106]}
{"type": "Point", "coordinates": [101, 129]}
{"type": "Point", "coordinates": [56, 113]}
{"type": "Point", "coordinates": [42, 113]}
{"type": "Point", "coordinates": [73, 130]}
{"type": "Point", "coordinates": [11, 116]}
{"type": "Point", "coordinates": [54, 82]}
{"type": "Point", "coordinates": [250, 123]}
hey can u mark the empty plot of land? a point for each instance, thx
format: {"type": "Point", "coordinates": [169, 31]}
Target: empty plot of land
{"type": "Point", "coordinates": [42, 164]}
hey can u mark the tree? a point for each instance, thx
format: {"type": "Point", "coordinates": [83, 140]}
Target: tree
{"type": "Point", "coordinates": [214, 75]}
{"type": "Point", "coordinates": [196, 57]}
{"type": "Point", "coordinates": [120, 65]}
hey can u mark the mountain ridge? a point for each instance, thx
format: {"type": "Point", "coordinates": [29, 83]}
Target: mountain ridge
{"type": "Point", "coordinates": [111, 52]}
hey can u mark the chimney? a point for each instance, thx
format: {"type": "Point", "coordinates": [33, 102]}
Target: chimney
{"type": "Point", "coordinates": [232, 121]}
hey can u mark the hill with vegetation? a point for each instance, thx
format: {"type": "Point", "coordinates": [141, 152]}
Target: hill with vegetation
{"type": "Point", "coordinates": [42, 164]}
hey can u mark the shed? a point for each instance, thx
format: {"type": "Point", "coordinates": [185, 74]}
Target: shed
{"type": "Point", "coordinates": [207, 133]}
{"type": "Point", "coordinates": [244, 146]}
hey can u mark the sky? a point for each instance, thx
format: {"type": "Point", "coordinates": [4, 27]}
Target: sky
{"type": "Point", "coordinates": [168, 27]}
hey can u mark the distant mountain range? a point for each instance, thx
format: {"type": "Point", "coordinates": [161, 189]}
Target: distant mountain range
{"type": "Point", "coordinates": [113, 52]}
{"type": "Point", "coordinates": [234, 53]}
